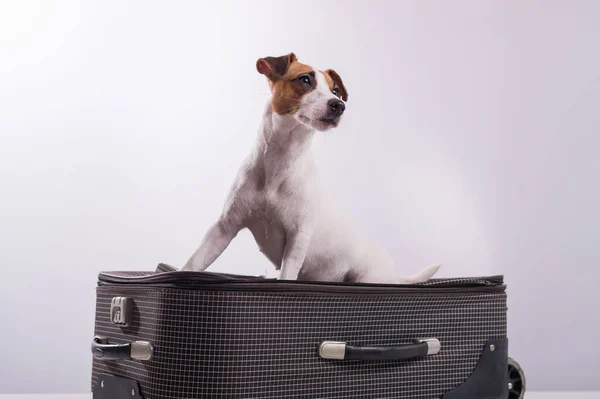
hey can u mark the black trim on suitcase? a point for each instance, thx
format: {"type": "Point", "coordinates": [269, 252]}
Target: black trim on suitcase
{"type": "Point", "coordinates": [490, 378]}
{"type": "Point", "coordinates": [113, 387]}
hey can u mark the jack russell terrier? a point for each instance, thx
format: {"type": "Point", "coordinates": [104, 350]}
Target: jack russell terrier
{"type": "Point", "coordinates": [277, 196]}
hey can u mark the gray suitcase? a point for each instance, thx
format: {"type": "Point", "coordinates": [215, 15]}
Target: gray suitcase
{"type": "Point", "coordinates": [169, 334]}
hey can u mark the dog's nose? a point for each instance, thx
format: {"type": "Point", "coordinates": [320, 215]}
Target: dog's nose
{"type": "Point", "coordinates": [336, 106]}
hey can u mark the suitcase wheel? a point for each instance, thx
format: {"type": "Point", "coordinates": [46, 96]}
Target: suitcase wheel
{"type": "Point", "coordinates": [516, 380]}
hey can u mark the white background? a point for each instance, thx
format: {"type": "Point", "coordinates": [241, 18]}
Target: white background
{"type": "Point", "coordinates": [471, 140]}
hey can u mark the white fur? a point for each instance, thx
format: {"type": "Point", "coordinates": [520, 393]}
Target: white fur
{"type": "Point", "coordinates": [277, 196]}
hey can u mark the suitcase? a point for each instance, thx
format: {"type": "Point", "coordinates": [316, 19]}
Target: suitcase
{"type": "Point", "coordinates": [168, 334]}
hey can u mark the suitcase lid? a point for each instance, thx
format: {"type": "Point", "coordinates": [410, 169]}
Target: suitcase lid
{"type": "Point", "coordinates": [166, 275]}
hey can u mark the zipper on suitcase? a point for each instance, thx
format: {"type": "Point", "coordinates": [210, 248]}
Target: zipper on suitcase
{"type": "Point", "coordinates": [287, 287]}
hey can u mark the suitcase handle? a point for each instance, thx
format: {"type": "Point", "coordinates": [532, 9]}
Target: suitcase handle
{"type": "Point", "coordinates": [136, 350]}
{"type": "Point", "coordinates": [342, 351]}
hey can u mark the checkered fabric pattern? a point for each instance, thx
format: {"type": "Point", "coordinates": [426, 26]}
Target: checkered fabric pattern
{"type": "Point", "coordinates": [262, 342]}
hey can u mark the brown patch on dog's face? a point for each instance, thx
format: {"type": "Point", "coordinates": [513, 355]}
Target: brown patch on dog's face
{"type": "Point", "coordinates": [289, 81]}
{"type": "Point", "coordinates": [336, 85]}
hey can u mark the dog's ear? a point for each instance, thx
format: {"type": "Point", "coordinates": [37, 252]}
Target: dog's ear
{"type": "Point", "coordinates": [275, 67]}
{"type": "Point", "coordinates": [337, 80]}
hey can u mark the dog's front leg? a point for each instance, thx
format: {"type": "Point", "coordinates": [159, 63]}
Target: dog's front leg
{"type": "Point", "coordinates": [296, 247]}
{"type": "Point", "coordinates": [215, 241]}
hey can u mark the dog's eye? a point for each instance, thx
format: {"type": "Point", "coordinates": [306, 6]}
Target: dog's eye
{"type": "Point", "coordinates": [336, 91]}
{"type": "Point", "coordinates": [305, 80]}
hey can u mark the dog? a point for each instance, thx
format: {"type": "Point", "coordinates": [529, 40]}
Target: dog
{"type": "Point", "coordinates": [277, 196]}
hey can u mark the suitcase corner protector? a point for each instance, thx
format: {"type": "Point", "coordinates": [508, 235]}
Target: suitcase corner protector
{"type": "Point", "coordinates": [490, 377]}
{"type": "Point", "coordinates": [115, 387]}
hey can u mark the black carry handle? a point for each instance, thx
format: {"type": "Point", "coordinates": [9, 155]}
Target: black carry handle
{"type": "Point", "coordinates": [136, 350]}
{"type": "Point", "coordinates": [342, 351]}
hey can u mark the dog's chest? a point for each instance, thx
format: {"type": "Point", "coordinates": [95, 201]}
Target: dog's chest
{"type": "Point", "coordinates": [272, 208]}
{"type": "Point", "coordinates": [268, 224]}
{"type": "Point", "coordinates": [281, 188]}
{"type": "Point", "coordinates": [280, 194]}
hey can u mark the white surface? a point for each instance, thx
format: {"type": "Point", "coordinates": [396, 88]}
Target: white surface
{"type": "Point", "coordinates": [528, 395]}
{"type": "Point", "coordinates": [122, 125]}
{"type": "Point", "coordinates": [562, 395]}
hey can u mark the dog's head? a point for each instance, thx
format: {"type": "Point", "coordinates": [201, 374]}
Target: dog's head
{"type": "Point", "coordinates": [315, 98]}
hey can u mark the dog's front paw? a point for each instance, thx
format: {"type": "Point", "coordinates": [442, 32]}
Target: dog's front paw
{"type": "Point", "coordinates": [189, 267]}
{"type": "Point", "coordinates": [186, 268]}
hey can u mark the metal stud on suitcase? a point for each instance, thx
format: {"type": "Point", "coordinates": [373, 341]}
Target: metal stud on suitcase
{"type": "Point", "coordinates": [167, 335]}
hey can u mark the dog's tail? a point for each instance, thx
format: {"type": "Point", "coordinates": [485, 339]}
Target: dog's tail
{"type": "Point", "coordinates": [422, 276]}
